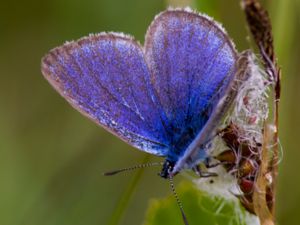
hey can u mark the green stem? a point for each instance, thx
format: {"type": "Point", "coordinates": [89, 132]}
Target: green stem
{"type": "Point", "coordinates": [121, 207]}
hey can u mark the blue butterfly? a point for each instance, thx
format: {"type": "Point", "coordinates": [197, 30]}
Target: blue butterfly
{"type": "Point", "coordinates": [165, 98]}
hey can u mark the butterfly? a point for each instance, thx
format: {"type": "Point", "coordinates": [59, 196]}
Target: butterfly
{"type": "Point", "coordinates": [166, 97]}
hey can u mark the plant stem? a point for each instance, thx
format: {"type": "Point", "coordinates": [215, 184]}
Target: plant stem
{"type": "Point", "coordinates": [121, 207]}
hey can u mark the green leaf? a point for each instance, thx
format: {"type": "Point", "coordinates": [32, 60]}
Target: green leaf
{"type": "Point", "coordinates": [200, 208]}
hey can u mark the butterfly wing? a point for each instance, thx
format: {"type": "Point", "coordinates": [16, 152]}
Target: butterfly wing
{"type": "Point", "coordinates": [191, 60]}
{"type": "Point", "coordinates": [196, 150]}
{"type": "Point", "coordinates": [105, 77]}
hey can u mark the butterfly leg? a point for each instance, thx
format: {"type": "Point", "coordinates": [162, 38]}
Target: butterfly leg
{"type": "Point", "coordinates": [209, 164]}
{"type": "Point", "coordinates": [197, 169]}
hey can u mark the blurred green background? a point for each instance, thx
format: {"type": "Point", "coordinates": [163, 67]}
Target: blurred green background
{"type": "Point", "coordinates": [52, 158]}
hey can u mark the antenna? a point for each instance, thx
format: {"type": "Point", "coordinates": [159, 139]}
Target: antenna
{"type": "Point", "coordinates": [177, 200]}
{"type": "Point", "coordinates": [114, 172]}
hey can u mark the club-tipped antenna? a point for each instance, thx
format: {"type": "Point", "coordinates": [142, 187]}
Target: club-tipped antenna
{"type": "Point", "coordinates": [178, 200]}
{"type": "Point", "coordinates": [114, 172]}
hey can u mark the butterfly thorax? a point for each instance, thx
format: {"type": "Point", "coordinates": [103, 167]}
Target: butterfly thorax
{"type": "Point", "coordinates": [180, 142]}
{"type": "Point", "coordinates": [176, 151]}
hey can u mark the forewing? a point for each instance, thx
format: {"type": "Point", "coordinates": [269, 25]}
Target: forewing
{"type": "Point", "coordinates": [191, 60]}
{"type": "Point", "coordinates": [105, 77]}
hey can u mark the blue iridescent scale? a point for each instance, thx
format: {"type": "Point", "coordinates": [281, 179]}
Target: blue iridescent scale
{"type": "Point", "coordinates": [156, 97]}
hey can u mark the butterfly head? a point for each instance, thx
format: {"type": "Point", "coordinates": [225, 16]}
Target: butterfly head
{"type": "Point", "coordinates": [167, 169]}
